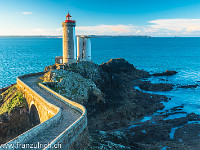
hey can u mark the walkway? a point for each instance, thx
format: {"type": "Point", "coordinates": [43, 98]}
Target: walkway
{"type": "Point", "coordinates": [69, 115]}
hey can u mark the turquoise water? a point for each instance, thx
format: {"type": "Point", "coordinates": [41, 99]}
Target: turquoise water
{"type": "Point", "coordinates": [19, 56]}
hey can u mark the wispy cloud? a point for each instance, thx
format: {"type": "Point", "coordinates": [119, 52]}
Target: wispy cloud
{"type": "Point", "coordinates": [159, 27]}
{"type": "Point", "coordinates": [107, 29]}
{"type": "Point", "coordinates": [27, 13]}
{"type": "Point", "coordinates": [176, 24]}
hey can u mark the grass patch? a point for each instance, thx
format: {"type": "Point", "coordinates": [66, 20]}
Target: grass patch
{"type": "Point", "coordinates": [11, 100]}
{"type": "Point", "coordinates": [56, 89]}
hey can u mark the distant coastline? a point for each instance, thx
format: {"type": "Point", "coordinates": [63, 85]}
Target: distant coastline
{"type": "Point", "coordinates": [14, 36]}
{"type": "Point", "coordinates": [93, 36]}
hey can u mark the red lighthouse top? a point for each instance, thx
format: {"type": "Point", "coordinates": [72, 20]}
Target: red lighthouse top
{"type": "Point", "coordinates": [69, 18]}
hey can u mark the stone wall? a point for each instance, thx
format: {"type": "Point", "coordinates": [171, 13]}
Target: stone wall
{"type": "Point", "coordinates": [77, 131]}
{"type": "Point", "coordinates": [45, 109]}
{"type": "Point", "coordinates": [54, 117]}
{"type": "Point", "coordinates": [74, 137]}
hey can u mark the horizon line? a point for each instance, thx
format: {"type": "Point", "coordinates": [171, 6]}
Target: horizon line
{"type": "Point", "coordinates": [93, 35]}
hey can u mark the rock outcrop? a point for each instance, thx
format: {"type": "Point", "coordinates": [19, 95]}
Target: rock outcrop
{"type": "Point", "coordinates": [121, 103]}
{"type": "Point", "coordinates": [148, 86]}
{"type": "Point", "coordinates": [14, 116]}
{"type": "Point", "coordinates": [189, 86]}
{"type": "Point", "coordinates": [124, 106]}
{"type": "Point", "coordinates": [157, 132]}
{"type": "Point", "coordinates": [73, 86]}
{"type": "Point", "coordinates": [167, 73]}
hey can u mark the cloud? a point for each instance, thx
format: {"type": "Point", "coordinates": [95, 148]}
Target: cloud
{"type": "Point", "coordinates": [27, 13]}
{"type": "Point", "coordinates": [59, 29]}
{"type": "Point", "coordinates": [159, 27]}
{"type": "Point", "coordinates": [39, 30]}
{"type": "Point", "coordinates": [178, 25]}
{"type": "Point", "coordinates": [107, 29]}
{"type": "Point", "coordinates": [44, 31]}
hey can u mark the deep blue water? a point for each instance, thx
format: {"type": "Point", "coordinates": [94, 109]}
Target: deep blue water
{"type": "Point", "coordinates": [24, 55]}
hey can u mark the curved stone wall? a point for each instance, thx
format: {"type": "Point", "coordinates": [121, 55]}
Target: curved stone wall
{"type": "Point", "coordinates": [67, 137]}
{"type": "Point", "coordinates": [50, 117]}
{"type": "Point", "coordinates": [45, 109]}
{"type": "Point", "coordinates": [54, 117]}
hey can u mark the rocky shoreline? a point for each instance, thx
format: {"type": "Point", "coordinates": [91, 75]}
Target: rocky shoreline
{"type": "Point", "coordinates": [120, 116]}
{"type": "Point", "coordinates": [127, 118]}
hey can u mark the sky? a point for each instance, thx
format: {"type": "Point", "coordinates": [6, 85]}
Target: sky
{"type": "Point", "coordinates": [162, 18]}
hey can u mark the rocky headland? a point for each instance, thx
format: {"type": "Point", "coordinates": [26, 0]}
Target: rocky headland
{"type": "Point", "coordinates": [119, 115]}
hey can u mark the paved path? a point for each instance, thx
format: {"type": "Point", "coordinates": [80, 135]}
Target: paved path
{"type": "Point", "coordinates": [69, 115]}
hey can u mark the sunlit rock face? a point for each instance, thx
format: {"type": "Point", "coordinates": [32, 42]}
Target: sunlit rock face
{"type": "Point", "coordinates": [73, 86]}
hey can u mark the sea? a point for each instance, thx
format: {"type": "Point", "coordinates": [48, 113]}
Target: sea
{"type": "Point", "coordinates": [20, 56]}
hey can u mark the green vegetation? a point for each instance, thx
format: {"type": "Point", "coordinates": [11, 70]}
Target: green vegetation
{"type": "Point", "coordinates": [74, 91]}
{"type": "Point", "coordinates": [56, 89]}
{"type": "Point", "coordinates": [11, 99]}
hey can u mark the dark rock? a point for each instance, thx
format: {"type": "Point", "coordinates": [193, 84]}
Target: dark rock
{"type": "Point", "coordinates": [120, 65]}
{"type": "Point", "coordinates": [155, 134]}
{"type": "Point", "coordinates": [167, 73]}
{"type": "Point", "coordinates": [189, 86]}
{"type": "Point", "coordinates": [14, 124]}
{"type": "Point", "coordinates": [148, 86]}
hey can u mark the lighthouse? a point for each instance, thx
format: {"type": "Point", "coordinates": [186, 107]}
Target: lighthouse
{"type": "Point", "coordinates": [70, 53]}
{"type": "Point", "coordinates": [69, 46]}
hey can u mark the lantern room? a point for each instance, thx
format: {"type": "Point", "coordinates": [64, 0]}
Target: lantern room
{"type": "Point", "coordinates": [69, 18]}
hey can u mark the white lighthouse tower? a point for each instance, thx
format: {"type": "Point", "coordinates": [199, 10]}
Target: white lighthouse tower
{"type": "Point", "coordinates": [69, 46]}
{"type": "Point", "coordinates": [83, 51]}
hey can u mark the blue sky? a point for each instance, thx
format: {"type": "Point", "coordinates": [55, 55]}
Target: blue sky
{"type": "Point", "coordinates": [105, 17]}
